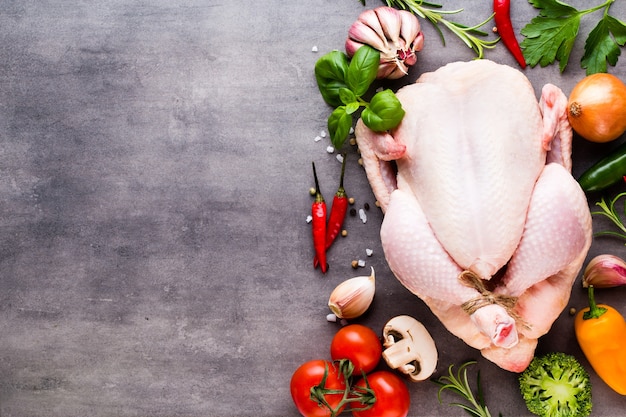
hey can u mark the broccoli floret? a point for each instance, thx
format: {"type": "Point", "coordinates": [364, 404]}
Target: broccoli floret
{"type": "Point", "coordinates": [556, 385]}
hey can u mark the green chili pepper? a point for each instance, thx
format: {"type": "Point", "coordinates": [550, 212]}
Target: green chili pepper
{"type": "Point", "coordinates": [608, 171]}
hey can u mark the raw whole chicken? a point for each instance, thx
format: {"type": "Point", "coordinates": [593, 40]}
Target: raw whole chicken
{"type": "Point", "coordinates": [482, 218]}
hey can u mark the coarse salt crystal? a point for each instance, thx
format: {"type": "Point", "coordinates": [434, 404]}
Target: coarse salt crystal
{"type": "Point", "coordinates": [331, 318]}
{"type": "Point", "coordinates": [318, 138]}
{"type": "Point", "coordinates": [314, 49]}
{"type": "Point", "coordinates": [351, 130]}
{"type": "Point", "coordinates": [330, 149]}
{"type": "Point", "coordinates": [309, 218]}
{"type": "Point", "coordinates": [362, 215]}
{"type": "Point", "coordinates": [369, 252]}
{"type": "Point", "coordinates": [339, 157]}
{"type": "Point", "coordinates": [323, 133]}
{"type": "Point", "coordinates": [361, 263]}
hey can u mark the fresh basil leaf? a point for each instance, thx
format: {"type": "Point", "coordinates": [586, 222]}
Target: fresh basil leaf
{"type": "Point", "coordinates": [352, 107]}
{"type": "Point", "coordinates": [347, 96]}
{"type": "Point", "coordinates": [332, 66]}
{"type": "Point", "coordinates": [384, 112]}
{"type": "Point", "coordinates": [339, 124]}
{"type": "Point", "coordinates": [362, 69]}
{"type": "Point", "coordinates": [330, 73]}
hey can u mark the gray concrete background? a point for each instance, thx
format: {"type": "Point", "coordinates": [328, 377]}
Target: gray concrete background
{"type": "Point", "coordinates": [154, 174]}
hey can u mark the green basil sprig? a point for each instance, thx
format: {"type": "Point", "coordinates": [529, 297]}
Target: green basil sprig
{"type": "Point", "coordinates": [343, 82]}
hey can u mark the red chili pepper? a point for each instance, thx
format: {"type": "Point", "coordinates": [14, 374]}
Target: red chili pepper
{"type": "Point", "coordinates": [502, 10]}
{"type": "Point", "coordinates": [318, 211]}
{"type": "Point", "coordinates": [337, 212]}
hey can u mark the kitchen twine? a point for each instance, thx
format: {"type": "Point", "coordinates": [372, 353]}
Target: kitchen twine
{"type": "Point", "coordinates": [486, 297]}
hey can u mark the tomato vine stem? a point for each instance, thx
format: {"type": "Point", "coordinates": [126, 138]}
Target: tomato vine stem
{"type": "Point", "coordinates": [351, 394]}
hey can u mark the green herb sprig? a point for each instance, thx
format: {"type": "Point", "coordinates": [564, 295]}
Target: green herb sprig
{"type": "Point", "coordinates": [551, 36]}
{"type": "Point", "coordinates": [608, 210]}
{"type": "Point", "coordinates": [343, 83]}
{"type": "Point", "coordinates": [459, 384]}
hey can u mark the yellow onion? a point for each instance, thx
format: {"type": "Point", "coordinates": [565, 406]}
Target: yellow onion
{"type": "Point", "coordinates": [352, 297]}
{"type": "Point", "coordinates": [596, 108]}
{"type": "Point", "coordinates": [605, 271]}
{"type": "Point", "coordinates": [395, 33]}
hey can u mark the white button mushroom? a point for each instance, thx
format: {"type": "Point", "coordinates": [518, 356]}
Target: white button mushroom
{"type": "Point", "coordinates": [409, 348]}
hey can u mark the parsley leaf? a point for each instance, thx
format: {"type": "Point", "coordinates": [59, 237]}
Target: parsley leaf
{"type": "Point", "coordinates": [552, 34]}
{"type": "Point", "coordinates": [550, 38]}
{"type": "Point", "coordinates": [553, 8]}
{"type": "Point", "coordinates": [603, 44]}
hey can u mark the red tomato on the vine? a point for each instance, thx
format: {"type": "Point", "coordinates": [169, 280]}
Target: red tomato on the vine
{"type": "Point", "coordinates": [392, 396]}
{"type": "Point", "coordinates": [310, 374]}
{"type": "Point", "coordinates": [358, 343]}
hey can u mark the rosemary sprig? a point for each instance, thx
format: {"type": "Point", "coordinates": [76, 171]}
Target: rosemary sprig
{"type": "Point", "coordinates": [470, 35]}
{"type": "Point", "coordinates": [459, 384]}
{"type": "Point", "coordinates": [609, 211]}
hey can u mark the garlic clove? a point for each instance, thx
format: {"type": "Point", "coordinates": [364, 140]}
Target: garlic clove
{"type": "Point", "coordinates": [387, 70]}
{"type": "Point", "coordinates": [605, 271]}
{"type": "Point", "coordinates": [410, 30]}
{"type": "Point", "coordinates": [352, 46]}
{"type": "Point", "coordinates": [353, 297]}
{"type": "Point", "coordinates": [418, 42]}
{"type": "Point", "coordinates": [391, 22]}
{"type": "Point", "coordinates": [362, 34]}
{"type": "Point", "coordinates": [370, 18]}
{"type": "Point", "coordinates": [399, 71]}
{"type": "Point", "coordinates": [410, 59]}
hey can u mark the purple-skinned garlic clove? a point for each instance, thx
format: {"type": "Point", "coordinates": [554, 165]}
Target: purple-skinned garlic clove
{"type": "Point", "coordinates": [362, 34]}
{"type": "Point", "coordinates": [391, 22]}
{"type": "Point", "coordinates": [605, 271]}
{"type": "Point", "coordinates": [370, 19]}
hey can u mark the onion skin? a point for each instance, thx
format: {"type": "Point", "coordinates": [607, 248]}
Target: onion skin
{"type": "Point", "coordinates": [596, 108]}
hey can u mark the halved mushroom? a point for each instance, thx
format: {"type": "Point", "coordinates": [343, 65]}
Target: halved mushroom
{"type": "Point", "coordinates": [409, 348]}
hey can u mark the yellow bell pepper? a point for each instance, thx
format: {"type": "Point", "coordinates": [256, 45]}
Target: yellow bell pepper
{"type": "Point", "coordinates": [601, 334]}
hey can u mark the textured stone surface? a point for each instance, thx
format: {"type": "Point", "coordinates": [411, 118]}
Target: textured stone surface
{"type": "Point", "coordinates": [154, 173]}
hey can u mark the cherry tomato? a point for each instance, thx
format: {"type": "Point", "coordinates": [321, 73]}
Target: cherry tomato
{"type": "Point", "coordinates": [310, 374]}
{"type": "Point", "coordinates": [359, 344]}
{"type": "Point", "coordinates": [392, 396]}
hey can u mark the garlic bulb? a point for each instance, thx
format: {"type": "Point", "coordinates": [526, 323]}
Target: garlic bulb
{"type": "Point", "coordinates": [352, 298]}
{"type": "Point", "coordinates": [395, 33]}
{"type": "Point", "coordinates": [605, 271]}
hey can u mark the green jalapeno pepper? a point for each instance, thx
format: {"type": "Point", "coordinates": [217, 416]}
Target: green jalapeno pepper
{"type": "Point", "coordinates": [606, 172]}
